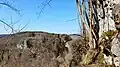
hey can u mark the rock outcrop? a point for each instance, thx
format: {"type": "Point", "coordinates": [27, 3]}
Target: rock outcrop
{"type": "Point", "coordinates": [32, 49]}
{"type": "Point", "coordinates": [41, 49]}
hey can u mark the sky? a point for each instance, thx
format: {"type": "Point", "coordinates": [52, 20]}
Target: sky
{"type": "Point", "coordinates": [59, 17]}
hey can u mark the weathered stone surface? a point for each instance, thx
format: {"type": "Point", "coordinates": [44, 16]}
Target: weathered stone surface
{"type": "Point", "coordinates": [78, 48]}
{"type": "Point", "coordinates": [104, 10]}
{"type": "Point", "coordinates": [41, 49]}
{"type": "Point", "coordinates": [114, 51]}
{"type": "Point", "coordinates": [115, 47]}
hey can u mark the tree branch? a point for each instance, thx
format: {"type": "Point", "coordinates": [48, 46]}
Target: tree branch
{"type": "Point", "coordinates": [44, 5]}
{"type": "Point", "coordinates": [7, 25]}
{"type": "Point", "coordinates": [11, 7]}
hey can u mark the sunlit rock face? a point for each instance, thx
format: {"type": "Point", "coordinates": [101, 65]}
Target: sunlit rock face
{"type": "Point", "coordinates": [33, 49]}
{"type": "Point", "coordinates": [77, 48]}
{"type": "Point", "coordinates": [108, 15]}
{"type": "Point", "coordinates": [40, 49]}
{"type": "Point", "coordinates": [105, 16]}
{"type": "Point", "coordinates": [115, 49]}
{"type": "Point", "coordinates": [116, 15]}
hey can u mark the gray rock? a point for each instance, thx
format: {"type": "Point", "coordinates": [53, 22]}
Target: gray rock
{"type": "Point", "coordinates": [33, 49]}
{"type": "Point", "coordinates": [38, 49]}
{"type": "Point", "coordinates": [115, 49]}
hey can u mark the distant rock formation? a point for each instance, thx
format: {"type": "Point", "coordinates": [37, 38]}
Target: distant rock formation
{"type": "Point", "coordinates": [41, 49]}
{"type": "Point", "coordinates": [32, 49]}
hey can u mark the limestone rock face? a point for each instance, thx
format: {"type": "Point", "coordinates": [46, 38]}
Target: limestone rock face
{"type": "Point", "coordinates": [40, 49]}
{"type": "Point", "coordinates": [105, 16]}
{"type": "Point", "coordinates": [77, 48]}
{"type": "Point", "coordinates": [115, 49]}
{"type": "Point", "coordinates": [108, 12]}
{"type": "Point", "coordinates": [33, 49]}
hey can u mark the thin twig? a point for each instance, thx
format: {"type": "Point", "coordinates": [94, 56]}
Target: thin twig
{"type": "Point", "coordinates": [7, 25]}
{"type": "Point", "coordinates": [11, 7]}
{"type": "Point", "coordinates": [44, 5]}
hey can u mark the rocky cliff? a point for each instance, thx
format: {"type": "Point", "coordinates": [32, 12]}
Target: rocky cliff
{"type": "Point", "coordinates": [41, 49]}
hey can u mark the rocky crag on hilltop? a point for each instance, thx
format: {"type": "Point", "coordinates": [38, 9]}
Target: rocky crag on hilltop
{"type": "Point", "coordinates": [41, 49]}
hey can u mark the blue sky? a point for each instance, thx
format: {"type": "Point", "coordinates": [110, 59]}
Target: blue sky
{"type": "Point", "coordinates": [61, 17]}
